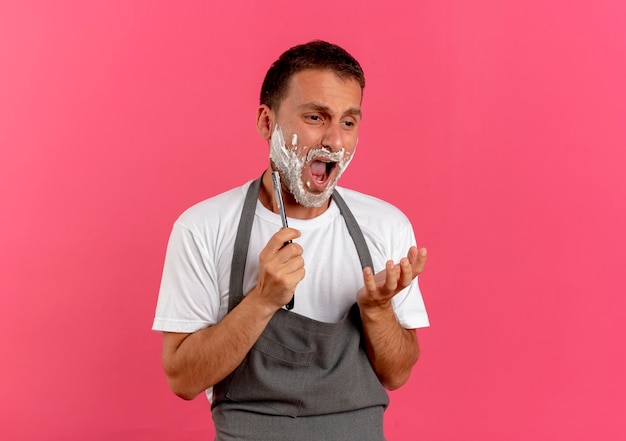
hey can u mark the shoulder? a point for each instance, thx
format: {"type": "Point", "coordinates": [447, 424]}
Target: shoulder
{"type": "Point", "coordinates": [219, 209]}
{"type": "Point", "coordinates": [387, 229]}
{"type": "Point", "coordinates": [370, 209]}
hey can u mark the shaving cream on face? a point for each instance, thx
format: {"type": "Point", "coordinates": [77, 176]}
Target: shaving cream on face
{"type": "Point", "coordinates": [289, 162]}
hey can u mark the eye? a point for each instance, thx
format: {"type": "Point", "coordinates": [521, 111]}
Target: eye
{"type": "Point", "coordinates": [314, 118]}
{"type": "Point", "coordinates": [349, 123]}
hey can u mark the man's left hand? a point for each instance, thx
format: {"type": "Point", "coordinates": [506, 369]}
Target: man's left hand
{"type": "Point", "coordinates": [379, 289]}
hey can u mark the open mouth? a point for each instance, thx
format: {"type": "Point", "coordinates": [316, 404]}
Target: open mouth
{"type": "Point", "coordinates": [320, 172]}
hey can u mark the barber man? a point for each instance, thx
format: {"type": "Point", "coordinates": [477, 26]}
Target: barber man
{"type": "Point", "coordinates": [347, 263]}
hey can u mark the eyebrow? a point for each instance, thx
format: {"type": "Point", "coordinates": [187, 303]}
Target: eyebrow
{"type": "Point", "coordinates": [352, 111]}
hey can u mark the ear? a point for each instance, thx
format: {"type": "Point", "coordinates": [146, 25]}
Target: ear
{"type": "Point", "coordinates": [264, 121]}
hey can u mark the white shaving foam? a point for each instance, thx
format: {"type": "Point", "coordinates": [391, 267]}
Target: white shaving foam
{"type": "Point", "coordinates": [289, 163]}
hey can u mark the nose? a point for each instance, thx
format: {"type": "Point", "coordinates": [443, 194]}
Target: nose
{"type": "Point", "coordinates": [333, 137]}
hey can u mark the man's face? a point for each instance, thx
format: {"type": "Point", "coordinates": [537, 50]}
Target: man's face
{"type": "Point", "coordinates": [315, 134]}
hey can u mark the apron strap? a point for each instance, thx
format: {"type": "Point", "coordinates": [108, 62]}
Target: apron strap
{"type": "Point", "coordinates": [355, 231]}
{"type": "Point", "coordinates": [242, 241]}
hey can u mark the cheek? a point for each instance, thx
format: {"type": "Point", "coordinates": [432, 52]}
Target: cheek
{"type": "Point", "coordinates": [351, 146]}
{"type": "Point", "coordinates": [306, 141]}
{"type": "Point", "coordinates": [308, 136]}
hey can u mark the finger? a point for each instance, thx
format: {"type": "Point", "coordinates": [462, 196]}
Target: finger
{"type": "Point", "coordinates": [391, 279]}
{"type": "Point", "coordinates": [406, 272]}
{"type": "Point", "coordinates": [293, 278]}
{"type": "Point", "coordinates": [412, 254]}
{"type": "Point", "coordinates": [368, 280]}
{"type": "Point", "coordinates": [290, 251]}
{"type": "Point", "coordinates": [417, 258]}
{"type": "Point", "coordinates": [274, 259]}
{"type": "Point", "coordinates": [282, 236]}
{"type": "Point", "coordinates": [292, 265]}
{"type": "Point", "coordinates": [421, 261]}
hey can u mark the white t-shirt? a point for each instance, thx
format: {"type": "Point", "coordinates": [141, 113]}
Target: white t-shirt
{"type": "Point", "coordinates": [196, 275]}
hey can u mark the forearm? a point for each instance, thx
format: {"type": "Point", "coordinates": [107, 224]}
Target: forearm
{"type": "Point", "coordinates": [199, 360]}
{"type": "Point", "coordinates": [392, 349]}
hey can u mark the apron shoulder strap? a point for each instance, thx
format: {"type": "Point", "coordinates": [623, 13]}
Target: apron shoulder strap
{"type": "Point", "coordinates": [355, 232]}
{"type": "Point", "coordinates": [242, 240]}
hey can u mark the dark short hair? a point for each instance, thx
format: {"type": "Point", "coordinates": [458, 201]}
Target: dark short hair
{"type": "Point", "coordinates": [313, 55]}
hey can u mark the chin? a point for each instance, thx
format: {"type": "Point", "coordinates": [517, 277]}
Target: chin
{"type": "Point", "coordinates": [314, 199]}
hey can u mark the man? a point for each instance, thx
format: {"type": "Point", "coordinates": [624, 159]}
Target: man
{"type": "Point", "coordinates": [317, 371]}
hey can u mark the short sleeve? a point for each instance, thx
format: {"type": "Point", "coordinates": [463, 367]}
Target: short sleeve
{"type": "Point", "coordinates": [408, 304]}
{"type": "Point", "coordinates": [188, 297]}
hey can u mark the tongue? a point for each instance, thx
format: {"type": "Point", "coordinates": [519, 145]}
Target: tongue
{"type": "Point", "coordinates": [318, 170]}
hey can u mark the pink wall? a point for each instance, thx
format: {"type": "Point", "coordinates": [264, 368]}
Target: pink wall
{"type": "Point", "coordinates": [497, 126]}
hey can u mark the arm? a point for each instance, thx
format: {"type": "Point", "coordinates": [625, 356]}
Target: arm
{"type": "Point", "coordinates": [194, 362]}
{"type": "Point", "coordinates": [392, 349]}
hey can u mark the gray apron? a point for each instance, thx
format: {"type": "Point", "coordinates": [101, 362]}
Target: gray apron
{"type": "Point", "coordinates": [303, 379]}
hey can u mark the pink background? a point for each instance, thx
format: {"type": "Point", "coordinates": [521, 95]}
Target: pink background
{"type": "Point", "coordinates": [497, 126]}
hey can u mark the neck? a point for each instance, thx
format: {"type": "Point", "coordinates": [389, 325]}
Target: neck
{"type": "Point", "coordinates": [292, 208]}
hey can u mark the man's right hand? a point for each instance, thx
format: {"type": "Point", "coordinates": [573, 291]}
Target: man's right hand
{"type": "Point", "coordinates": [281, 268]}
